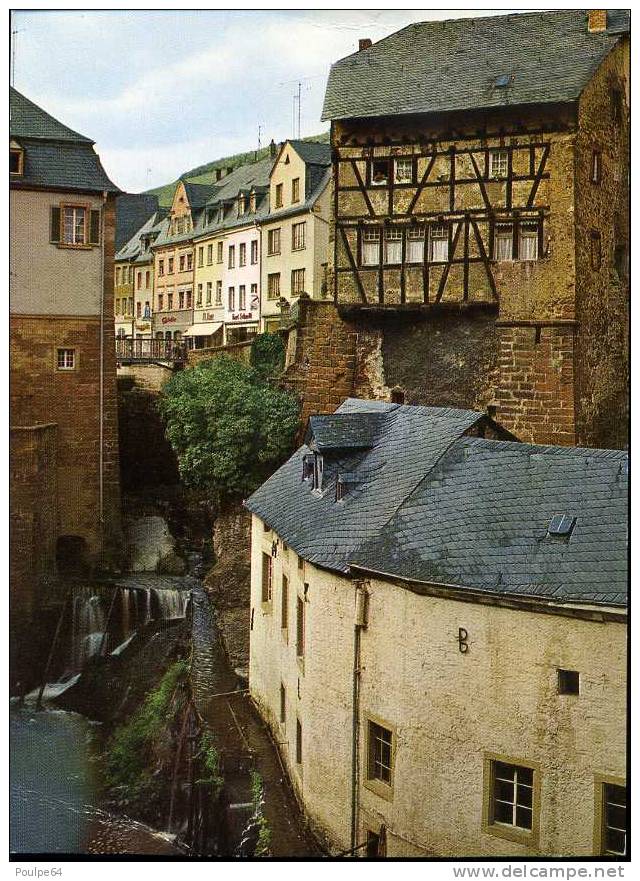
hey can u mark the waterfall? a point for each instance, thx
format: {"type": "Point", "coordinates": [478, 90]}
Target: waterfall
{"type": "Point", "coordinates": [87, 628]}
{"type": "Point", "coordinates": [147, 612]}
{"type": "Point", "coordinates": [126, 612]}
{"type": "Point", "coordinates": [172, 602]}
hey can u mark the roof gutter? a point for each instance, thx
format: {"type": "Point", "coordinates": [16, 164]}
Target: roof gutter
{"type": "Point", "coordinates": [457, 592]}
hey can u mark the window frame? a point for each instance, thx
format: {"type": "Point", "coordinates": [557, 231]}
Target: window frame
{"type": "Point", "coordinates": [299, 236]}
{"type": "Point", "coordinates": [274, 241]}
{"type": "Point", "coordinates": [375, 784]}
{"type": "Point", "coordinates": [278, 195]}
{"type": "Point", "coordinates": [408, 160]}
{"type": "Point", "coordinates": [64, 368]}
{"type": "Point", "coordinates": [296, 288]}
{"type": "Point", "coordinates": [495, 156]}
{"type": "Point", "coordinates": [75, 206]}
{"type": "Point", "coordinates": [599, 822]}
{"type": "Point", "coordinates": [379, 160]}
{"type": "Point", "coordinates": [284, 604]}
{"type": "Point", "coordinates": [295, 190]}
{"type": "Point", "coordinates": [19, 152]}
{"type": "Point", "coordinates": [439, 238]}
{"type": "Point", "coordinates": [271, 296]}
{"type": "Point", "coordinates": [528, 837]}
{"type": "Point", "coordinates": [266, 583]}
{"type": "Point", "coordinates": [301, 628]}
{"type": "Point", "coordinates": [374, 234]}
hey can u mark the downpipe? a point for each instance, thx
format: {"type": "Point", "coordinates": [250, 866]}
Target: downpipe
{"type": "Point", "coordinates": [360, 622]}
{"type": "Point", "coordinates": [103, 230]}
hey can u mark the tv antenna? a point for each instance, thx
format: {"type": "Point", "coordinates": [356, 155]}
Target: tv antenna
{"type": "Point", "coordinates": [14, 40]}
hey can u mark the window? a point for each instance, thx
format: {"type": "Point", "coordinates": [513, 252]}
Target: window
{"type": "Point", "coordinates": [415, 244]}
{"type": "Point", "coordinates": [117, 305]}
{"type": "Point", "coordinates": [611, 809]}
{"type": "Point", "coordinates": [209, 255]}
{"type": "Point", "coordinates": [298, 236]}
{"type": "Point", "coordinates": [160, 267]}
{"type": "Point", "coordinates": [393, 246]}
{"type": "Point", "coordinates": [439, 243]}
{"type": "Point", "coordinates": [170, 267]}
{"type": "Point", "coordinates": [147, 278]}
{"type": "Point", "coordinates": [297, 281]}
{"type": "Point", "coordinates": [199, 295]}
{"type": "Point", "coordinates": [16, 161]}
{"type": "Point", "coordinates": [252, 202]}
{"type": "Point", "coordinates": [370, 247]}
{"type": "Point", "coordinates": [242, 255]}
{"type": "Point", "coordinates": [278, 195]}
{"type": "Point", "coordinates": [379, 754]}
{"type": "Point", "coordinates": [242, 297]}
{"type": "Point", "coordinates": [66, 359]}
{"type": "Point", "coordinates": [380, 172]}
{"type": "Point", "coordinates": [404, 171]}
{"type": "Point", "coordinates": [74, 225]}
{"type": "Point", "coordinates": [232, 256]}
{"type": "Point", "coordinates": [117, 275]}
{"type": "Point", "coordinates": [273, 285]}
{"type": "Point", "coordinates": [498, 163]}
{"type": "Point", "coordinates": [283, 704]}
{"type": "Point", "coordinates": [318, 467]}
{"type": "Point", "coordinates": [232, 299]}
{"type": "Point", "coordinates": [138, 310]}
{"type": "Point", "coordinates": [568, 682]}
{"type": "Point", "coordinates": [139, 280]}
{"type": "Point", "coordinates": [298, 742]}
{"type": "Point", "coordinates": [596, 252]}
{"type": "Point", "coordinates": [373, 845]}
{"type": "Point", "coordinates": [183, 262]}
{"type": "Point", "coordinates": [503, 242]}
{"type": "Point", "coordinates": [189, 298]}
{"type": "Point", "coordinates": [266, 577]}
{"type": "Point", "coordinates": [284, 609]}
{"type": "Point", "coordinates": [273, 242]}
{"type": "Point", "coordinates": [241, 206]}
{"type": "Point", "coordinates": [295, 189]}
{"type": "Point", "coordinates": [254, 251]}
{"type": "Point", "coordinates": [180, 299]}
{"type": "Point", "coordinates": [300, 627]}
{"type": "Point", "coordinates": [511, 799]}
{"type": "Point", "coordinates": [147, 309]}
{"type": "Point", "coordinates": [160, 302]}
{"type": "Point", "coordinates": [189, 261]}
{"type": "Point", "coordinates": [201, 256]}
{"type": "Point", "coordinates": [218, 292]}
{"type": "Point", "coordinates": [170, 300]}
{"type": "Point", "coordinates": [528, 245]}
{"type": "Point", "coordinates": [596, 167]}
{"type": "Point", "coordinates": [219, 252]}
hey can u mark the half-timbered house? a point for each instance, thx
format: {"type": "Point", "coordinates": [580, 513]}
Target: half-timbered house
{"type": "Point", "coordinates": [481, 173]}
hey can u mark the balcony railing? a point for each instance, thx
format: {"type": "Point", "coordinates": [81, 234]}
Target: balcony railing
{"type": "Point", "coordinates": [141, 351]}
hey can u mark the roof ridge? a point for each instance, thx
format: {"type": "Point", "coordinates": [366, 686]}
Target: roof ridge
{"type": "Point", "coordinates": [547, 449]}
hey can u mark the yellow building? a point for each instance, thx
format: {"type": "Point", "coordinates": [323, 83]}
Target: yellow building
{"type": "Point", "coordinates": [438, 636]}
{"type": "Point", "coordinates": [296, 232]}
{"type": "Point", "coordinates": [133, 285]}
{"type": "Point", "coordinates": [123, 301]}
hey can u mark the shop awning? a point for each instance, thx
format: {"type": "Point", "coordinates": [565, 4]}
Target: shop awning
{"type": "Point", "coordinates": [204, 329]}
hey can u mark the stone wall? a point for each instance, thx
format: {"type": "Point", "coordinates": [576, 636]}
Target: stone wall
{"type": "Point", "coordinates": [237, 351]}
{"type": "Point", "coordinates": [146, 376]}
{"type": "Point", "coordinates": [147, 459]}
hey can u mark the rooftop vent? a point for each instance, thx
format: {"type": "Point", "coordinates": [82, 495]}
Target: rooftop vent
{"type": "Point", "coordinates": [561, 526]}
{"type": "Point", "coordinates": [364, 43]}
{"type": "Point", "coordinates": [344, 484]}
{"type": "Point", "coordinates": [502, 81]}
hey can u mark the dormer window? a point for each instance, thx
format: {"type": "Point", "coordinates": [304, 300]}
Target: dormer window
{"type": "Point", "coordinates": [318, 467]}
{"type": "Point", "coordinates": [344, 485]}
{"type": "Point", "coordinates": [307, 467]}
{"type": "Point", "coordinates": [241, 206]}
{"type": "Point", "coordinates": [252, 202]}
{"type": "Point", "coordinates": [16, 161]}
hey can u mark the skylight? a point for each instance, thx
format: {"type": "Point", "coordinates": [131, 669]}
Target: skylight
{"type": "Point", "coordinates": [502, 81]}
{"type": "Point", "coordinates": [561, 525]}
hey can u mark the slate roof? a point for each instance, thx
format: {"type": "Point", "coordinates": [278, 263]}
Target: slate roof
{"type": "Point", "coordinates": [54, 155]}
{"type": "Point", "coordinates": [132, 210]}
{"type": "Point", "coordinates": [438, 66]}
{"type": "Point", "coordinates": [312, 152]}
{"type": "Point", "coordinates": [133, 249]}
{"type": "Point", "coordinates": [342, 431]}
{"type": "Point", "coordinates": [242, 179]}
{"type": "Point", "coordinates": [435, 506]}
{"type": "Point", "coordinates": [327, 533]}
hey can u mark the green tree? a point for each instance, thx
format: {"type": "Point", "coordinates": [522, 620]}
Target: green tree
{"type": "Point", "coordinates": [229, 426]}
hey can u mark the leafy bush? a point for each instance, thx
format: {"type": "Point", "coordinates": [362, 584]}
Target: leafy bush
{"type": "Point", "coordinates": [268, 355]}
{"type": "Point", "coordinates": [263, 844]}
{"type": "Point", "coordinates": [229, 427]}
{"type": "Point", "coordinates": [130, 758]}
{"type": "Point", "coordinates": [211, 762]}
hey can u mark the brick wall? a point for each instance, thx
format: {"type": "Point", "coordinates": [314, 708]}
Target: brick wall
{"type": "Point", "coordinates": [535, 397]}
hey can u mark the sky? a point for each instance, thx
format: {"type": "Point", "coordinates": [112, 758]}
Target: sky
{"type": "Point", "coordinates": [164, 91]}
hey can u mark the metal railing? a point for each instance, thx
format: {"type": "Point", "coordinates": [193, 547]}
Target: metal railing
{"type": "Point", "coordinates": [128, 350]}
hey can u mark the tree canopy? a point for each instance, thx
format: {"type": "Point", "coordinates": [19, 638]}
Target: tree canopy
{"type": "Point", "coordinates": [229, 424]}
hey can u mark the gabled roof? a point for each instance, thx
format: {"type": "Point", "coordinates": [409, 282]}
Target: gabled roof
{"type": "Point", "coordinates": [197, 194]}
{"type": "Point", "coordinates": [409, 441]}
{"type": "Point", "coordinates": [133, 248]}
{"type": "Point", "coordinates": [438, 66]}
{"type": "Point", "coordinates": [27, 120]}
{"type": "Point", "coordinates": [428, 503]}
{"type": "Point", "coordinates": [54, 155]}
{"type": "Point", "coordinates": [312, 152]}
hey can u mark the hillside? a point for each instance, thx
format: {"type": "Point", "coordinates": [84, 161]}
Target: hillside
{"type": "Point", "coordinates": [205, 174]}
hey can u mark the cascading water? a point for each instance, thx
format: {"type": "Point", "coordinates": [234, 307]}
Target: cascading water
{"type": "Point", "coordinates": [172, 602]}
{"type": "Point", "coordinates": [88, 628]}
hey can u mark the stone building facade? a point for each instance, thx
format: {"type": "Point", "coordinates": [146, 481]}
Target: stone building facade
{"type": "Point", "coordinates": [443, 662]}
{"type": "Point", "coordinates": [62, 352]}
{"type": "Point", "coordinates": [481, 233]}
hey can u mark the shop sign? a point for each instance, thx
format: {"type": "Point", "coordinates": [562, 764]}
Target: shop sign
{"type": "Point", "coordinates": [241, 316]}
{"type": "Point", "coordinates": [169, 319]}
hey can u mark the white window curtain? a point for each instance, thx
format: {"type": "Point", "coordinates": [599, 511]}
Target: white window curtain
{"type": "Point", "coordinates": [528, 242]}
{"type": "Point", "coordinates": [503, 243]}
{"type": "Point", "coordinates": [393, 246]}
{"type": "Point", "coordinates": [415, 245]}
{"type": "Point", "coordinates": [370, 247]}
{"type": "Point", "coordinates": [439, 244]}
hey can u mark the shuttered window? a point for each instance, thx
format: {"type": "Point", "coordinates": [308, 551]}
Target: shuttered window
{"type": "Point", "coordinates": [300, 628]}
{"type": "Point", "coordinates": [284, 611]}
{"type": "Point", "coordinates": [54, 229]}
{"type": "Point", "coordinates": [94, 228]}
{"type": "Point", "coordinates": [266, 577]}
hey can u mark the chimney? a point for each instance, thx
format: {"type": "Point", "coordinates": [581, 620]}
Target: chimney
{"type": "Point", "coordinates": [364, 43]}
{"type": "Point", "coordinates": [229, 169]}
{"type": "Point", "coordinates": [272, 148]}
{"type": "Point", "coordinates": [218, 174]}
{"type": "Point", "coordinates": [597, 21]}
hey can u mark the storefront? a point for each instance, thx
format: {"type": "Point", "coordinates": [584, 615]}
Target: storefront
{"type": "Point", "coordinates": [206, 330]}
{"type": "Point", "coordinates": [172, 325]}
